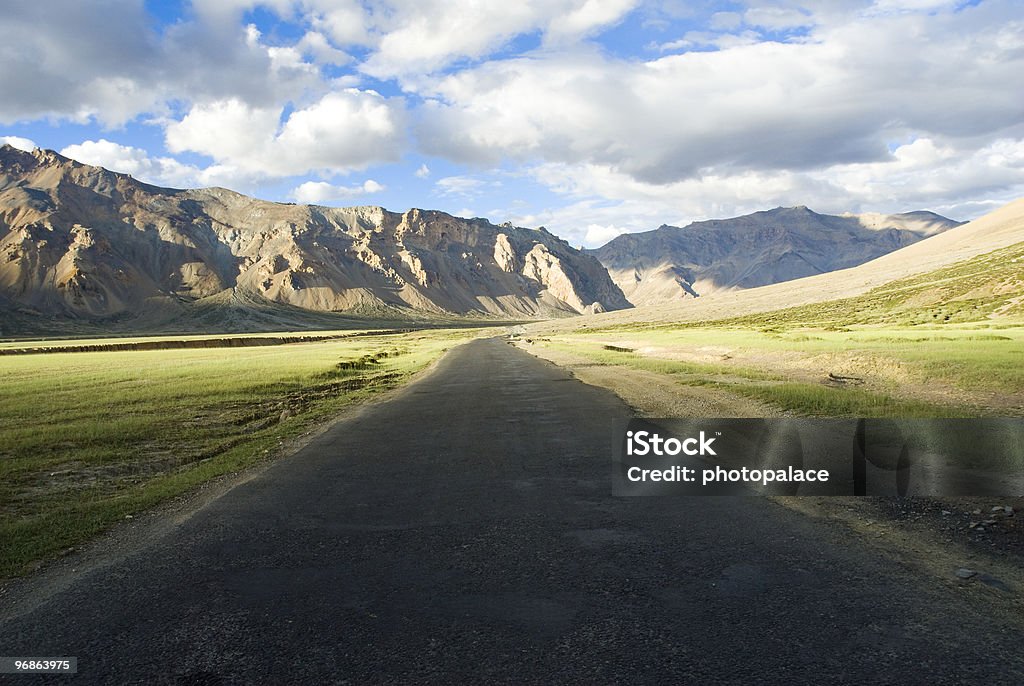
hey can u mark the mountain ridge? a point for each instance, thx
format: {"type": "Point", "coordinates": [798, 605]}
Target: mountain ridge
{"type": "Point", "coordinates": [78, 241]}
{"type": "Point", "coordinates": [770, 246]}
{"type": "Point", "coordinates": [999, 230]}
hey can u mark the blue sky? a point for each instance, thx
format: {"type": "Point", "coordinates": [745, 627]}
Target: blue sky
{"type": "Point", "coordinates": [591, 117]}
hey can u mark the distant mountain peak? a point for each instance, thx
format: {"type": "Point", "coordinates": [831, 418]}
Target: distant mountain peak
{"type": "Point", "coordinates": [752, 250]}
{"type": "Point", "coordinates": [796, 209]}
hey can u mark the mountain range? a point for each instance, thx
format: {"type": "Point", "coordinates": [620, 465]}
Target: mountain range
{"type": "Point", "coordinates": [84, 246]}
{"type": "Point", "coordinates": [978, 265]}
{"type": "Point", "coordinates": [670, 263]}
{"type": "Point", "coordinates": [81, 242]}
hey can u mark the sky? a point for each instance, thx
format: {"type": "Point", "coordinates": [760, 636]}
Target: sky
{"type": "Point", "coordinates": [589, 117]}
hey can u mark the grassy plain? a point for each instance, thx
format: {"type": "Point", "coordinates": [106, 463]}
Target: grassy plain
{"type": "Point", "coordinates": [868, 372]}
{"type": "Point", "coordinates": [55, 343]}
{"type": "Point", "coordinates": [89, 438]}
{"type": "Point", "coordinates": [945, 343]}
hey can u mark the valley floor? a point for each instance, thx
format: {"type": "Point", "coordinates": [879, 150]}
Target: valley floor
{"type": "Point", "coordinates": [463, 531]}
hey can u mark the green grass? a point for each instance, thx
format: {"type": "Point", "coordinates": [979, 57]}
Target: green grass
{"type": "Point", "coordinates": [759, 383]}
{"type": "Point", "coordinates": [966, 356]}
{"type": "Point", "coordinates": [64, 342]}
{"type": "Point", "coordinates": [87, 438]}
{"type": "Point", "coordinates": [985, 291]}
{"type": "Point", "coordinates": [825, 401]}
{"type": "Point", "coordinates": [598, 354]}
{"type": "Point", "coordinates": [946, 343]}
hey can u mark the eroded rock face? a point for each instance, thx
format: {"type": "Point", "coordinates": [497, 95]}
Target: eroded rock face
{"type": "Point", "coordinates": [671, 263]}
{"type": "Point", "coordinates": [504, 255]}
{"type": "Point", "coordinates": [82, 241]}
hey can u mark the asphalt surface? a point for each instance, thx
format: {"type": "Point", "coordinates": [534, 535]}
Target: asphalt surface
{"type": "Point", "coordinates": [464, 532]}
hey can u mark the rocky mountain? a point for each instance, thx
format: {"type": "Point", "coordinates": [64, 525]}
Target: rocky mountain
{"type": "Point", "coordinates": [976, 266]}
{"type": "Point", "coordinates": [80, 242]}
{"type": "Point", "coordinates": [672, 263]}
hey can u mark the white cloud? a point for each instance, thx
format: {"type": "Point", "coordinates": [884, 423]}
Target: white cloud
{"type": "Point", "coordinates": [411, 38]}
{"type": "Point", "coordinates": [158, 170]}
{"type": "Point", "coordinates": [777, 18]}
{"type": "Point", "coordinates": [341, 132]}
{"type": "Point", "coordinates": [423, 172]}
{"type": "Point", "coordinates": [922, 174]}
{"type": "Point", "coordinates": [135, 161]}
{"type": "Point", "coordinates": [835, 97]}
{"type": "Point", "coordinates": [103, 61]}
{"type": "Point", "coordinates": [347, 22]}
{"type": "Point", "coordinates": [75, 60]}
{"type": "Point", "coordinates": [319, 192]}
{"type": "Point", "coordinates": [883, 6]}
{"type": "Point", "coordinates": [459, 185]}
{"type": "Point", "coordinates": [588, 16]}
{"type": "Point", "coordinates": [224, 130]}
{"type": "Point", "coordinates": [19, 143]}
{"type": "Point", "coordinates": [928, 173]}
{"type": "Point", "coordinates": [317, 45]}
{"type": "Point", "coordinates": [435, 33]}
{"type": "Point", "coordinates": [597, 234]}
{"type": "Point", "coordinates": [726, 20]}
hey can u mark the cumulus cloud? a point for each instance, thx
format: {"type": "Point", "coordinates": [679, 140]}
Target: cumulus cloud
{"type": "Point", "coordinates": [159, 170]}
{"type": "Point", "coordinates": [346, 22]}
{"type": "Point", "coordinates": [597, 234]}
{"type": "Point", "coordinates": [207, 61]}
{"type": "Point", "coordinates": [75, 60]}
{"type": "Point", "coordinates": [931, 173]}
{"type": "Point", "coordinates": [316, 44]}
{"type": "Point", "coordinates": [319, 192]}
{"type": "Point", "coordinates": [341, 132]}
{"type": "Point", "coordinates": [423, 172]}
{"type": "Point", "coordinates": [586, 17]}
{"type": "Point", "coordinates": [126, 159]}
{"type": "Point", "coordinates": [412, 37]}
{"type": "Point", "coordinates": [224, 130]}
{"type": "Point", "coordinates": [920, 174]}
{"type": "Point", "coordinates": [104, 61]}
{"type": "Point", "coordinates": [18, 142]}
{"type": "Point", "coordinates": [835, 97]}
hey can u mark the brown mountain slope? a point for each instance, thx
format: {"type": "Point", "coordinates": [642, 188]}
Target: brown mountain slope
{"type": "Point", "coordinates": [984, 236]}
{"type": "Point", "coordinates": [672, 263]}
{"type": "Point", "coordinates": [81, 242]}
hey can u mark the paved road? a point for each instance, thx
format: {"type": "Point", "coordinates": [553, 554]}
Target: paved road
{"type": "Point", "coordinates": [464, 532]}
